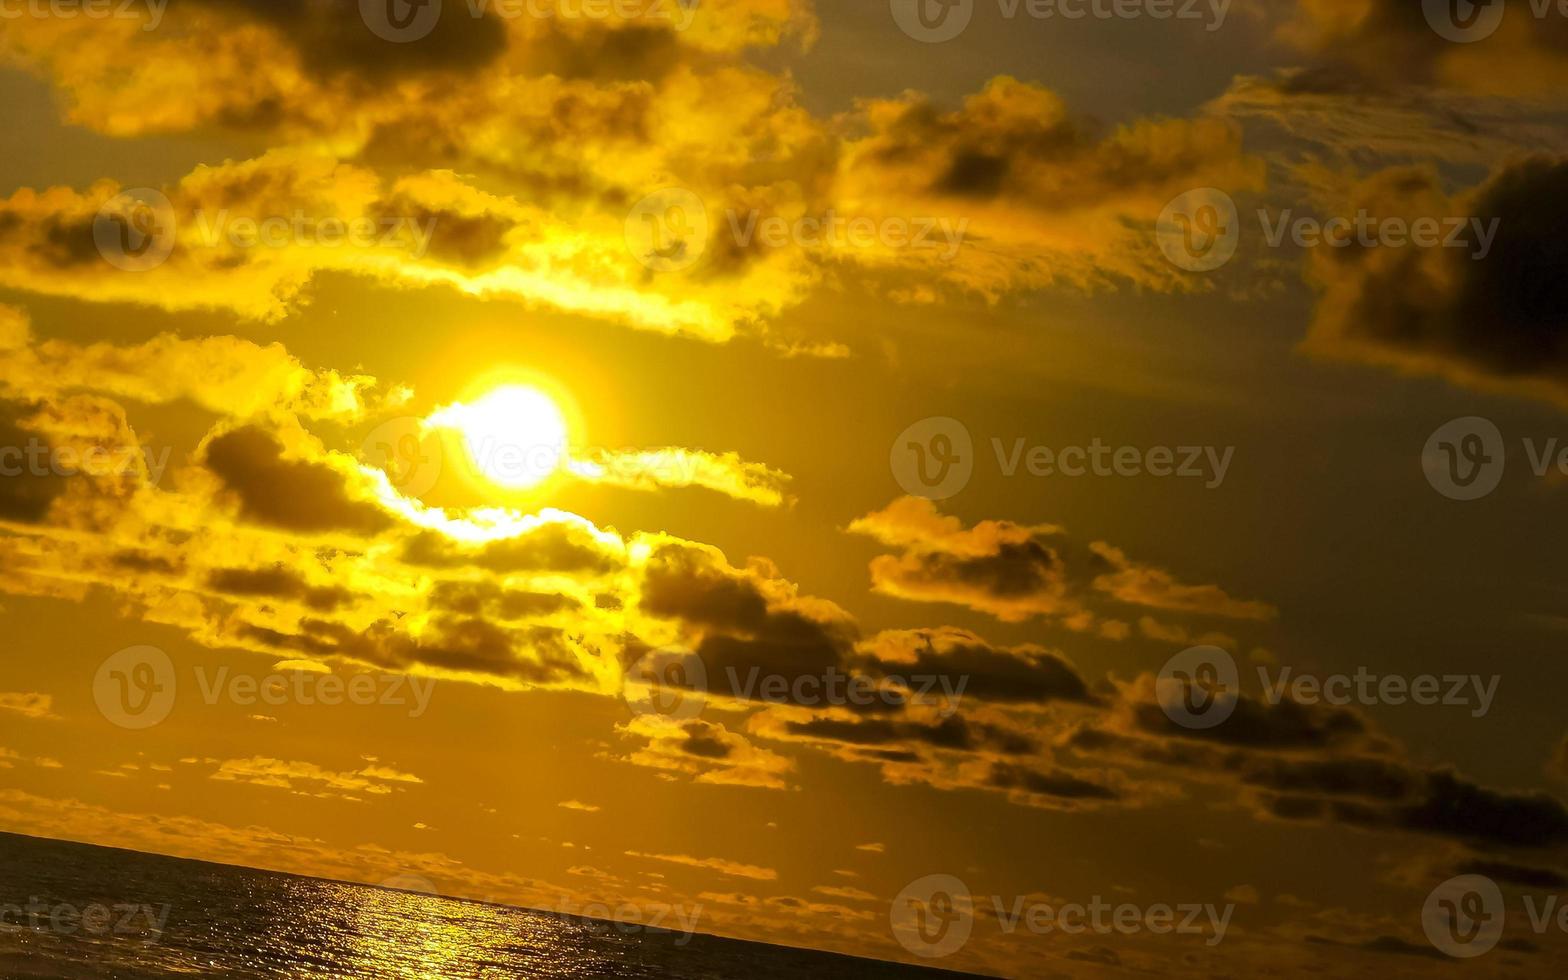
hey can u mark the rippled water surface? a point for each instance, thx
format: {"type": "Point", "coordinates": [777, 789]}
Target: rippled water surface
{"type": "Point", "coordinates": [232, 922]}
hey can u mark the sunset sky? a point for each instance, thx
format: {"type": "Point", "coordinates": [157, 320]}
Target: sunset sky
{"type": "Point", "coordinates": [494, 359]}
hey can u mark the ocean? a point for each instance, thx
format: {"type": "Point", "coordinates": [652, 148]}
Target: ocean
{"type": "Point", "coordinates": [129, 916]}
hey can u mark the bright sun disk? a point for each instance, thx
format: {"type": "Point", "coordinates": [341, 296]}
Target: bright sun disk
{"type": "Point", "coordinates": [515, 435]}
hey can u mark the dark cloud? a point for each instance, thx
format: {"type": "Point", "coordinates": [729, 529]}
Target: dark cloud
{"type": "Point", "coordinates": [1491, 321]}
{"type": "Point", "coordinates": [554, 547]}
{"type": "Point", "coordinates": [1019, 675]}
{"type": "Point", "coordinates": [749, 622]}
{"type": "Point", "coordinates": [26, 493]}
{"type": "Point", "coordinates": [1515, 874]}
{"type": "Point", "coordinates": [292, 494]}
{"type": "Point", "coordinates": [470, 241]}
{"type": "Point", "coordinates": [278, 583]}
{"type": "Point", "coordinates": [490, 600]}
{"type": "Point", "coordinates": [1452, 807]}
{"type": "Point", "coordinates": [1381, 779]}
{"type": "Point", "coordinates": [700, 741]}
{"type": "Point", "coordinates": [537, 655]}
{"type": "Point", "coordinates": [953, 733]}
{"type": "Point", "coordinates": [333, 39]}
{"type": "Point", "coordinates": [1055, 783]}
{"type": "Point", "coordinates": [1257, 725]}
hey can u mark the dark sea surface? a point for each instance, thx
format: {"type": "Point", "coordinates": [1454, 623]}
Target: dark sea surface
{"type": "Point", "coordinates": [239, 923]}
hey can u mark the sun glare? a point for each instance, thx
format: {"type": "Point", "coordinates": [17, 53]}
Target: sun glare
{"type": "Point", "coordinates": [515, 435]}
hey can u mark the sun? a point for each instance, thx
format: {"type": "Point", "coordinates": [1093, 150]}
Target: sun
{"type": "Point", "coordinates": [515, 435]}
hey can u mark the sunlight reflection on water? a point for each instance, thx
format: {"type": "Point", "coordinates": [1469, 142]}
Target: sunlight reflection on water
{"type": "Point", "coordinates": [211, 921]}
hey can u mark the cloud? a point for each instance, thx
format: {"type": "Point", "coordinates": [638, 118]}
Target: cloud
{"type": "Point", "coordinates": [226, 375]}
{"type": "Point", "coordinates": [298, 495]}
{"type": "Point", "coordinates": [1021, 674]}
{"type": "Point", "coordinates": [1359, 45]}
{"type": "Point", "coordinates": [733, 869]}
{"type": "Point", "coordinates": [1324, 764]}
{"type": "Point", "coordinates": [1491, 322]}
{"type": "Point", "coordinates": [1017, 572]}
{"type": "Point", "coordinates": [648, 469]}
{"type": "Point", "coordinates": [311, 779]}
{"type": "Point", "coordinates": [1027, 783]}
{"type": "Point", "coordinates": [744, 618]}
{"type": "Point", "coordinates": [509, 162]}
{"type": "Point", "coordinates": [1144, 585]}
{"type": "Point", "coordinates": [707, 752]}
{"type": "Point", "coordinates": [1046, 196]}
{"type": "Point", "coordinates": [28, 704]}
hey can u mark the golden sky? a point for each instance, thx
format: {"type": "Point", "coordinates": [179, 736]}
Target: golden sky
{"type": "Point", "coordinates": [381, 406]}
